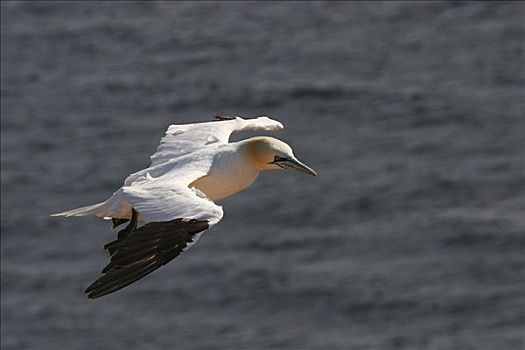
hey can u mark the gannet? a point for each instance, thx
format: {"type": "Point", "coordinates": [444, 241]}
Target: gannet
{"type": "Point", "coordinates": [169, 204]}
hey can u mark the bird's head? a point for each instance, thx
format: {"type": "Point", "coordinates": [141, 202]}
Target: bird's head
{"type": "Point", "coordinates": [268, 153]}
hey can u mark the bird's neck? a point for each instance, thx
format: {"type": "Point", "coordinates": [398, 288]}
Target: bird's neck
{"type": "Point", "coordinates": [231, 172]}
{"type": "Point", "coordinates": [254, 153]}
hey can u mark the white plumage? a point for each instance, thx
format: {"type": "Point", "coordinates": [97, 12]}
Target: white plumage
{"type": "Point", "coordinates": [173, 199]}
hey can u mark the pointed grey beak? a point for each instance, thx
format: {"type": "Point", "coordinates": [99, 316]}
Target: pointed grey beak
{"type": "Point", "coordinates": [295, 164]}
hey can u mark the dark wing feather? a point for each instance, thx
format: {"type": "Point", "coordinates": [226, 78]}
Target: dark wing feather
{"type": "Point", "coordinates": [138, 252]}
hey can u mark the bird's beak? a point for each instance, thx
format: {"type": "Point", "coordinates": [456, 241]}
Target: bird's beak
{"type": "Point", "coordinates": [295, 164]}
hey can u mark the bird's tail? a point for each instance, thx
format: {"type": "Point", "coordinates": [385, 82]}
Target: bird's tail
{"type": "Point", "coordinates": [90, 209]}
{"type": "Point", "coordinates": [115, 207]}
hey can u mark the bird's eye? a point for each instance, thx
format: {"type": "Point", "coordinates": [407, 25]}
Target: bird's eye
{"type": "Point", "coordinates": [277, 159]}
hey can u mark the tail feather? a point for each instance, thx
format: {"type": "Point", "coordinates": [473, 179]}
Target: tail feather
{"type": "Point", "coordinates": [115, 207]}
{"type": "Point", "coordinates": [90, 209]}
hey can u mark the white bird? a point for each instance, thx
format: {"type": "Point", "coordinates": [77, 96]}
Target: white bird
{"type": "Point", "coordinates": [169, 204]}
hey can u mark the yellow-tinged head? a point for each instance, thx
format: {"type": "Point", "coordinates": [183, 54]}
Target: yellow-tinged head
{"type": "Point", "coordinates": [268, 153]}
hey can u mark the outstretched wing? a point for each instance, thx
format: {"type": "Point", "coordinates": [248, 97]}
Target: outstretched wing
{"type": "Point", "coordinates": [175, 218]}
{"type": "Point", "coordinates": [183, 139]}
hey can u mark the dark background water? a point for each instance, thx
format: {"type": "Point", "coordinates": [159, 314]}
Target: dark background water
{"type": "Point", "coordinates": [411, 238]}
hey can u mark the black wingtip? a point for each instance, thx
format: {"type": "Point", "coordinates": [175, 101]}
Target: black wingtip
{"type": "Point", "coordinates": [94, 295]}
{"type": "Point", "coordinates": [138, 252]}
{"type": "Point", "coordinates": [91, 297]}
{"type": "Point", "coordinates": [92, 292]}
{"type": "Point", "coordinates": [92, 286]}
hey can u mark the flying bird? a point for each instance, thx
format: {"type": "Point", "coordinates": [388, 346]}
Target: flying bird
{"type": "Point", "coordinates": [168, 205]}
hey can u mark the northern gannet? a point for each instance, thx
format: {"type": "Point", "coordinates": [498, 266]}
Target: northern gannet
{"type": "Point", "coordinates": [169, 204]}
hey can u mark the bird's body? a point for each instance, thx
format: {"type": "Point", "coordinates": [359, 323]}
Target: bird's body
{"type": "Point", "coordinates": [171, 202]}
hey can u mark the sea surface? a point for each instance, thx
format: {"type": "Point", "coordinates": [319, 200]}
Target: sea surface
{"type": "Point", "coordinates": [412, 237]}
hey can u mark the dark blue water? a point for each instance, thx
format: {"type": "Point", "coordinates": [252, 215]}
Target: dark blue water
{"type": "Point", "coordinates": [413, 114]}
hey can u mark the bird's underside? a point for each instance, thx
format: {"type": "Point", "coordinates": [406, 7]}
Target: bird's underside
{"type": "Point", "coordinates": [139, 251]}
